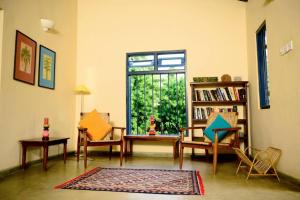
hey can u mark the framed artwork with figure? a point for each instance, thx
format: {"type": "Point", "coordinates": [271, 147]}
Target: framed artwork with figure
{"type": "Point", "coordinates": [47, 68]}
{"type": "Point", "coordinates": [25, 53]}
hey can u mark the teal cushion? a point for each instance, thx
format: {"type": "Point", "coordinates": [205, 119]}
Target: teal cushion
{"type": "Point", "coordinates": [219, 122]}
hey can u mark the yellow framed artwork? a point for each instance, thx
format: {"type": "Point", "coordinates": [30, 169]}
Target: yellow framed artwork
{"type": "Point", "coordinates": [47, 68]}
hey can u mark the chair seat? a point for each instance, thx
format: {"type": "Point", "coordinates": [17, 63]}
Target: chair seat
{"type": "Point", "coordinates": [196, 143]}
{"type": "Point", "coordinates": [103, 142]}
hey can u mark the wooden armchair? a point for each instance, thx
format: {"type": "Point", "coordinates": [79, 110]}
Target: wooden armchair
{"type": "Point", "coordinates": [231, 140]}
{"type": "Point", "coordinates": [109, 140]}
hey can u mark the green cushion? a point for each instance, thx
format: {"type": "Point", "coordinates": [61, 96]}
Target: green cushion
{"type": "Point", "coordinates": [219, 122]}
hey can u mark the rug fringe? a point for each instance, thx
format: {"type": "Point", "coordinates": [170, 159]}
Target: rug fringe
{"type": "Point", "coordinates": [67, 182]}
{"type": "Point", "coordinates": [201, 187]}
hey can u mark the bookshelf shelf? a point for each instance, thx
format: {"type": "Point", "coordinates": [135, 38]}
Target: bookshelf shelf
{"type": "Point", "coordinates": [221, 84]}
{"type": "Point", "coordinates": [241, 102]}
{"type": "Point", "coordinates": [223, 96]}
{"type": "Point", "coordinates": [203, 121]}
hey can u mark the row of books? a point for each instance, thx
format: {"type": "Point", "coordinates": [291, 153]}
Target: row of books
{"type": "Point", "coordinates": [220, 94]}
{"type": "Point", "coordinates": [204, 112]}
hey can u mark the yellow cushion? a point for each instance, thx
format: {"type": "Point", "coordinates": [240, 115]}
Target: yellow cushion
{"type": "Point", "coordinates": [97, 126]}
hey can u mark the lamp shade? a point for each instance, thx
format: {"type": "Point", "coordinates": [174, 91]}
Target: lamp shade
{"type": "Point", "coordinates": [81, 89]}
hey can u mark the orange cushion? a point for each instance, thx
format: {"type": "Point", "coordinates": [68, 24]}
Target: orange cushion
{"type": "Point", "coordinates": [97, 126]}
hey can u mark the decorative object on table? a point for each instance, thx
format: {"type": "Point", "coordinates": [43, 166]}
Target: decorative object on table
{"type": "Point", "coordinates": [46, 129]}
{"type": "Point", "coordinates": [47, 68]}
{"type": "Point", "coordinates": [152, 127]}
{"type": "Point", "coordinates": [237, 78]}
{"type": "Point", "coordinates": [25, 52]}
{"type": "Point", "coordinates": [206, 79]}
{"type": "Point", "coordinates": [159, 181]}
{"type": "Point", "coordinates": [81, 90]}
{"type": "Point", "coordinates": [226, 78]}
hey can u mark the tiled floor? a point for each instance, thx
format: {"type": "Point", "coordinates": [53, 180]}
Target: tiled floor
{"type": "Point", "coordinates": [34, 183]}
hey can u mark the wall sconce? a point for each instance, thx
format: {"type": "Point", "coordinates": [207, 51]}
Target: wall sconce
{"type": "Point", "coordinates": [47, 24]}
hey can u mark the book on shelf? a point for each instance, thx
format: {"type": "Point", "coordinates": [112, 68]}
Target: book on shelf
{"type": "Point", "coordinates": [203, 113]}
{"type": "Point", "coordinates": [228, 93]}
{"type": "Point", "coordinates": [242, 93]}
{"type": "Point", "coordinates": [220, 94]}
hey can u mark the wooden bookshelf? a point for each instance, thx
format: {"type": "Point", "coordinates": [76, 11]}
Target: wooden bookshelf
{"type": "Point", "coordinates": [237, 90]}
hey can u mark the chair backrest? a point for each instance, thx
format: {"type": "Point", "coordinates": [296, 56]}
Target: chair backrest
{"type": "Point", "coordinates": [104, 115]}
{"type": "Point", "coordinates": [230, 117]}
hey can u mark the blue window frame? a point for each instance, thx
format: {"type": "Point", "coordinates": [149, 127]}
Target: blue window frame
{"type": "Point", "coordinates": [263, 74]}
{"type": "Point", "coordinates": [156, 85]}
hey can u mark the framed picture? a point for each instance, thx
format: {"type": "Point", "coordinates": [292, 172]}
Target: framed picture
{"type": "Point", "coordinates": [25, 52]}
{"type": "Point", "coordinates": [47, 68]}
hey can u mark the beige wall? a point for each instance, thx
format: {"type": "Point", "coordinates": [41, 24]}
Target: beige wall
{"type": "Point", "coordinates": [212, 32]}
{"type": "Point", "coordinates": [24, 106]}
{"type": "Point", "coordinates": [279, 125]}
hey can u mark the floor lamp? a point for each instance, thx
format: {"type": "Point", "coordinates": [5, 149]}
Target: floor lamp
{"type": "Point", "coordinates": [81, 90]}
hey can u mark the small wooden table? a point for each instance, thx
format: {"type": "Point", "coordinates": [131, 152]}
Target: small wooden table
{"type": "Point", "coordinates": [45, 144]}
{"type": "Point", "coordinates": [156, 138]}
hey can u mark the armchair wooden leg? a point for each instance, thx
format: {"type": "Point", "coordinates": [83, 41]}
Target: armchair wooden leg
{"type": "Point", "coordinates": [215, 158]}
{"type": "Point", "coordinates": [85, 155]}
{"type": "Point", "coordinates": [121, 153]}
{"type": "Point", "coordinates": [78, 148]}
{"type": "Point", "coordinates": [110, 151]}
{"type": "Point", "coordinates": [77, 153]}
{"type": "Point", "coordinates": [181, 157]}
{"type": "Point", "coordinates": [193, 153]}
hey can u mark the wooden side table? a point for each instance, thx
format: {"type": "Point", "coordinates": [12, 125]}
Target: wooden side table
{"type": "Point", "coordinates": [45, 144]}
{"type": "Point", "coordinates": [174, 139]}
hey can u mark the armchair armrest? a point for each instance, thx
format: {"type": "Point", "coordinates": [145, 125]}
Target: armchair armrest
{"type": "Point", "coordinates": [122, 129]}
{"type": "Point", "coordinates": [196, 127]}
{"type": "Point", "coordinates": [226, 129]}
{"type": "Point", "coordinates": [182, 130]}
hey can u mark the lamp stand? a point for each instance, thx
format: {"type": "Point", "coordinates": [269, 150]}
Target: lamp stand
{"type": "Point", "coordinates": [81, 105]}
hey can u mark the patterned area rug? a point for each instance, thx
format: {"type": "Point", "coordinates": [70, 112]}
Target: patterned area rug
{"type": "Point", "coordinates": [154, 181]}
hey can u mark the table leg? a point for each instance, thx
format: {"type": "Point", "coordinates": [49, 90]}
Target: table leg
{"type": "Point", "coordinates": [65, 151]}
{"type": "Point", "coordinates": [174, 149]}
{"type": "Point", "coordinates": [125, 146]}
{"type": "Point", "coordinates": [130, 143]}
{"type": "Point", "coordinates": [45, 157]}
{"type": "Point", "coordinates": [24, 149]}
{"type": "Point", "coordinates": [177, 149]}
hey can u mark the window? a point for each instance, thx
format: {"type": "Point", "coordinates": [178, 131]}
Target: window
{"type": "Point", "coordinates": [263, 74]}
{"type": "Point", "coordinates": [156, 85]}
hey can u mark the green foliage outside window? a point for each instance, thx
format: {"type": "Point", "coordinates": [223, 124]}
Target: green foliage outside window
{"type": "Point", "coordinates": [161, 95]}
